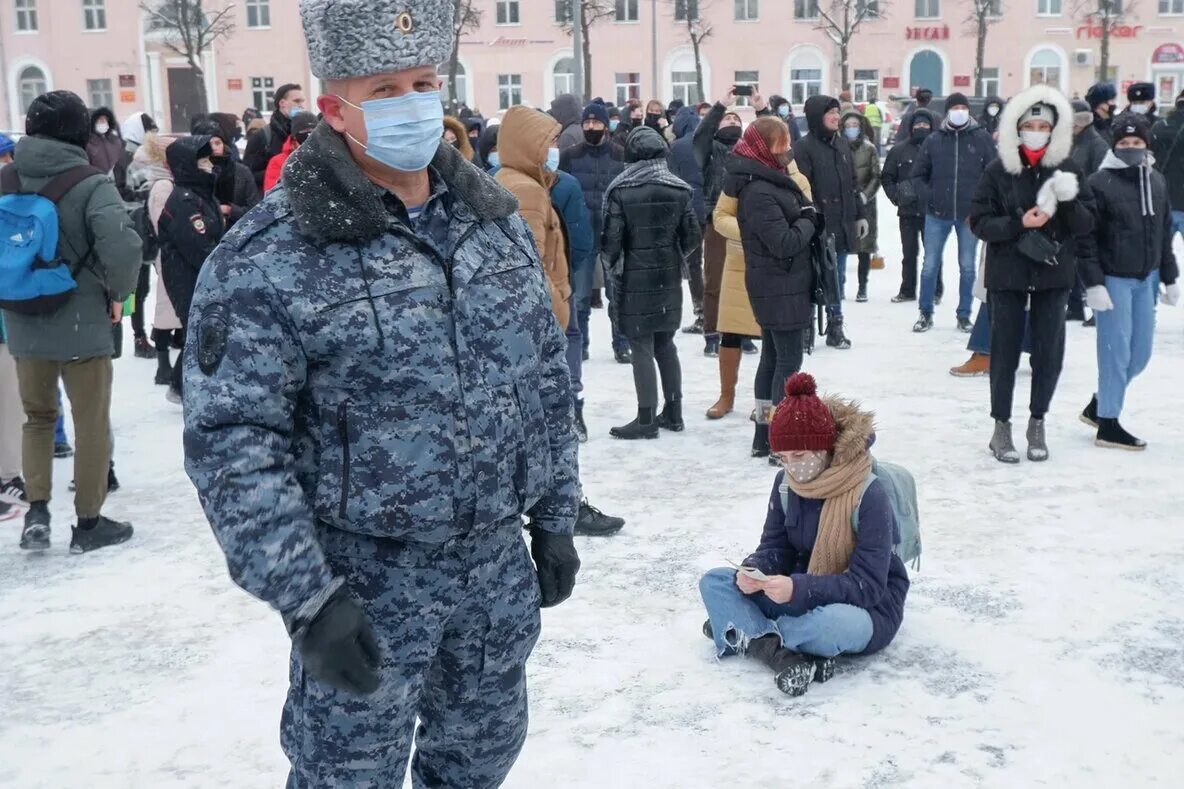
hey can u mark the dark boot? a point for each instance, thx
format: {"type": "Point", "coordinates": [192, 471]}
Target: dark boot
{"type": "Point", "coordinates": [591, 522]}
{"type": "Point", "coordinates": [93, 533]}
{"type": "Point", "coordinates": [35, 535]}
{"type": "Point", "coordinates": [1112, 436]}
{"type": "Point", "coordinates": [597, 301]}
{"type": "Point", "coordinates": [671, 417]}
{"type": "Point", "coordinates": [924, 323]}
{"type": "Point", "coordinates": [143, 349]}
{"type": "Point", "coordinates": [643, 426]}
{"type": "Point", "coordinates": [760, 441]}
{"type": "Point", "coordinates": [164, 369]}
{"type": "Point", "coordinates": [792, 671]}
{"type": "Point", "coordinates": [62, 449]}
{"type": "Point", "coordinates": [861, 296]}
{"type": "Point", "coordinates": [711, 345]}
{"type": "Point", "coordinates": [1090, 415]}
{"type": "Point", "coordinates": [835, 338]}
{"type": "Point", "coordinates": [623, 356]}
{"type": "Point", "coordinates": [581, 428]}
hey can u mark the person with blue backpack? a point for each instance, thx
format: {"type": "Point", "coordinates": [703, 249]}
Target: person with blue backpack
{"type": "Point", "coordinates": [828, 577]}
{"type": "Point", "coordinates": [68, 259]}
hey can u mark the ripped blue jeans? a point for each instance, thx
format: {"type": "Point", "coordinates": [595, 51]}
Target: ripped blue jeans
{"type": "Point", "coordinates": [737, 618]}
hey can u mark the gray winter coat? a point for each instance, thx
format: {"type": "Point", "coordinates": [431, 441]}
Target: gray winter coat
{"type": "Point", "coordinates": [1089, 149]}
{"type": "Point", "coordinates": [90, 217]}
{"type": "Point", "coordinates": [566, 109]}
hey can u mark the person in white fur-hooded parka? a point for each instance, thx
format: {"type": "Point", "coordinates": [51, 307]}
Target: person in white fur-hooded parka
{"type": "Point", "coordinates": [1034, 209]}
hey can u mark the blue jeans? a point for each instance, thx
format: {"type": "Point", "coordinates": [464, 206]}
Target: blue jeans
{"type": "Point", "coordinates": [980, 337]}
{"type": "Point", "coordinates": [581, 285]}
{"type": "Point", "coordinates": [1177, 224]}
{"type": "Point", "coordinates": [1124, 339]}
{"type": "Point", "coordinates": [936, 232]}
{"type": "Point", "coordinates": [836, 310]}
{"type": "Point", "coordinates": [737, 618]}
{"type": "Point", "coordinates": [59, 428]}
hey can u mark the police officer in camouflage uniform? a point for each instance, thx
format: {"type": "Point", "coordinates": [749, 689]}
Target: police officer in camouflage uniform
{"type": "Point", "coordinates": [376, 393]}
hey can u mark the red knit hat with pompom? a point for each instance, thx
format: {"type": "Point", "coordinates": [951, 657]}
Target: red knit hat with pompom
{"type": "Point", "coordinates": [802, 421]}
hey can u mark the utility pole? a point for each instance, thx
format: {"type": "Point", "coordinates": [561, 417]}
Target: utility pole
{"type": "Point", "coordinates": [654, 47]}
{"type": "Point", "coordinates": [577, 45]}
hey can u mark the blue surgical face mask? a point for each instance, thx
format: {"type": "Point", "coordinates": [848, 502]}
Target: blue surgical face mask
{"type": "Point", "coordinates": [295, 110]}
{"type": "Point", "coordinates": [851, 132]}
{"type": "Point", "coordinates": [783, 110]}
{"type": "Point", "coordinates": [493, 160]}
{"type": "Point", "coordinates": [404, 132]}
{"type": "Point", "coordinates": [552, 163]}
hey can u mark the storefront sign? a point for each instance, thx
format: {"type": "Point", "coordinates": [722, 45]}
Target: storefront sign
{"type": "Point", "coordinates": [892, 82]}
{"type": "Point", "coordinates": [961, 80]}
{"type": "Point", "coordinates": [127, 80]}
{"type": "Point", "coordinates": [1116, 31]}
{"type": "Point", "coordinates": [127, 97]}
{"type": "Point", "coordinates": [234, 84]}
{"type": "Point", "coordinates": [1168, 53]}
{"type": "Point", "coordinates": [927, 33]}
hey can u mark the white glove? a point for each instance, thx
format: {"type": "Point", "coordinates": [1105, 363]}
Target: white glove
{"type": "Point", "coordinates": [1065, 186]}
{"type": "Point", "coordinates": [862, 228]}
{"type": "Point", "coordinates": [1170, 295]}
{"type": "Point", "coordinates": [1097, 298]}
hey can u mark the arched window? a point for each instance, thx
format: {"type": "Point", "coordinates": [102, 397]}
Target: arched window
{"type": "Point", "coordinates": [927, 71]}
{"type": "Point", "coordinates": [805, 76]}
{"type": "Point", "coordinates": [1046, 68]}
{"type": "Point", "coordinates": [30, 84]}
{"type": "Point", "coordinates": [684, 80]}
{"type": "Point", "coordinates": [563, 77]}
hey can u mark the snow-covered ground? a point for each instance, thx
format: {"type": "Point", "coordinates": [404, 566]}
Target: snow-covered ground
{"type": "Point", "coordinates": [1042, 643]}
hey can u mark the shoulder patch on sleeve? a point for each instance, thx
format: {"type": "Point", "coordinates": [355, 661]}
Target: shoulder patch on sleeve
{"type": "Point", "coordinates": [212, 331]}
{"type": "Point", "coordinates": [199, 224]}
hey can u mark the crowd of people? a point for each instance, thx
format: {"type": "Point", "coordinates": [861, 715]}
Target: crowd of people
{"type": "Point", "coordinates": [411, 296]}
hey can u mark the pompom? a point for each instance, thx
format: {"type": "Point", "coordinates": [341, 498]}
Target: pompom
{"type": "Point", "coordinates": [800, 384]}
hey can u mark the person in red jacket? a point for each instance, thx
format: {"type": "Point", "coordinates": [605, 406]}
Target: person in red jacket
{"type": "Point", "coordinates": [302, 126]}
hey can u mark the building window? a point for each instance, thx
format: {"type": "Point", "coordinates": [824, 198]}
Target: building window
{"type": "Point", "coordinates": [1045, 68]}
{"type": "Point", "coordinates": [94, 14]}
{"type": "Point", "coordinates": [258, 13]}
{"type": "Point", "coordinates": [1048, 7]}
{"type": "Point", "coordinates": [865, 84]}
{"type": "Point", "coordinates": [995, 9]}
{"type": "Point", "coordinates": [1171, 7]}
{"type": "Point", "coordinates": [805, 9]}
{"type": "Point", "coordinates": [870, 9]}
{"type": "Point", "coordinates": [748, 10]}
{"type": "Point", "coordinates": [1111, 8]}
{"type": "Point", "coordinates": [686, 10]}
{"type": "Point", "coordinates": [628, 87]}
{"type": "Point", "coordinates": [26, 15]}
{"type": "Point", "coordinates": [990, 82]}
{"type": "Point", "coordinates": [31, 84]}
{"type": "Point", "coordinates": [750, 78]}
{"type": "Point", "coordinates": [685, 87]}
{"type": "Point", "coordinates": [563, 77]}
{"type": "Point", "coordinates": [509, 90]}
{"type": "Point", "coordinates": [262, 89]}
{"type": "Point", "coordinates": [627, 11]}
{"type": "Point", "coordinates": [564, 12]}
{"type": "Point", "coordinates": [927, 9]}
{"type": "Point", "coordinates": [461, 84]}
{"type": "Point", "coordinates": [507, 12]}
{"type": "Point", "coordinates": [99, 93]}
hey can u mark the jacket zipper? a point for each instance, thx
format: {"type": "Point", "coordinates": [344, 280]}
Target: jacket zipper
{"type": "Point", "coordinates": [343, 436]}
{"type": "Point", "coordinates": [957, 151]}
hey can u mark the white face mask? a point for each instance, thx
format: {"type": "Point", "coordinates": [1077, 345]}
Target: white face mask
{"type": "Point", "coordinates": [1034, 140]}
{"type": "Point", "coordinates": [1141, 108]}
{"type": "Point", "coordinates": [992, 110]}
{"type": "Point", "coordinates": [959, 117]}
{"type": "Point", "coordinates": [807, 468]}
{"type": "Point", "coordinates": [205, 165]}
{"type": "Point", "coordinates": [102, 127]}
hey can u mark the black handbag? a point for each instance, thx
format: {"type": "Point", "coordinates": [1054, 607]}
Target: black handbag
{"type": "Point", "coordinates": [824, 291]}
{"type": "Point", "coordinates": [1038, 247]}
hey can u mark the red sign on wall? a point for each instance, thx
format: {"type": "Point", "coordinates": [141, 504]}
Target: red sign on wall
{"type": "Point", "coordinates": [961, 80]}
{"type": "Point", "coordinates": [1168, 53]}
{"type": "Point", "coordinates": [892, 82]}
{"type": "Point", "coordinates": [1116, 31]}
{"type": "Point", "coordinates": [234, 84]}
{"type": "Point", "coordinates": [927, 33]}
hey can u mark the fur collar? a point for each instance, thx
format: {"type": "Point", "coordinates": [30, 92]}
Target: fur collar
{"type": "Point", "coordinates": [333, 201]}
{"type": "Point", "coordinates": [1061, 144]}
{"type": "Point", "coordinates": [855, 430]}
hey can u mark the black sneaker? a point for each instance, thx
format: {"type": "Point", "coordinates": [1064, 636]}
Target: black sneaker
{"type": "Point", "coordinates": [901, 298]}
{"type": "Point", "coordinates": [643, 426]}
{"type": "Point", "coordinates": [35, 535]}
{"type": "Point", "coordinates": [696, 327]}
{"type": "Point", "coordinates": [835, 338]}
{"type": "Point", "coordinates": [1090, 415]}
{"type": "Point", "coordinates": [711, 345]}
{"type": "Point", "coordinates": [965, 326]}
{"type": "Point", "coordinates": [861, 296]}
{"type": "Point", "coordinates": [14, 491]}
{"type": "Point", "coordinates": [591, 522]}
{"type": "Point", "coordinates": [623, 356]}
{"type": "Point", "coordinates": [923, 324]}
{"type": "Point", "coordinates": [1112, 436]}
{"type": "Point", "coordinates": [671, 417]}
{"type": "Point", "coordinates": [580, 427]}
{"type": "Point", "coordinates": [143, 349]}
{"type": "Point", "coordinates": [748, 346]}
{"type": "Point", "coordinates": [62, 449]}
{"type": "Point", "coordinates": [93, 533]}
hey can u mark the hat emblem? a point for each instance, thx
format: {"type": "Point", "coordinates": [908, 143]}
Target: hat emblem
{"type": "Point", "coordinates": [404, 23]}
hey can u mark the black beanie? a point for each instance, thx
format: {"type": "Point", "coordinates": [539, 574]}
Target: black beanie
{"type": "Point", "coordinates": [956, 99]}
{"type": "Point", "coordinates": [1130, 124]}
{"type": "Point", "coordinates": [60, 115]}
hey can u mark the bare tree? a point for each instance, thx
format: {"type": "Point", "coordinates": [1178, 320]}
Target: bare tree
{"type": "Point", "coordinates": [690, 13]}
{"type": "Point", "coordinates": [1104, 14]}
{"type": "Point", "coordinates": [981, 15]}
{"type": "Point", "coordinates": [840, 20]}
{"type": "Point", "coordinates": [467, 18]}
{"type": "Point", "coordinates": [591, 12]}
{"type": "Point", "coordinates": [190, 30]}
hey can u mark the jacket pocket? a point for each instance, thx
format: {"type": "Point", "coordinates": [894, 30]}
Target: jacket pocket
{"type": "Point", "coordinates": [387, 470]}
{"type": "Point", "coordinates": [524, 457]}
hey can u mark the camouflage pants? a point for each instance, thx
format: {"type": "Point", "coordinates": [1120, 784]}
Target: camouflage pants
{"type": "Point", "coordinates": [455, 623]}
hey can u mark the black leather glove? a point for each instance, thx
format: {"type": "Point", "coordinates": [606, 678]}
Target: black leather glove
{"type": "Point", "coordinates": [338, 648]}
{"type": "Point", "coordinates": [557, 562]}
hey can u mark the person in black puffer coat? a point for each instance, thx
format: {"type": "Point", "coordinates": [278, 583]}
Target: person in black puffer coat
{"type": "Point", "coordinates": [649, 228]}
{"type": "Point", "coordinates": [1167, 144]}
{"type": "Point", "coordinates": [824, 157]}
{"type": "Point", "coordinates": [1131, 259]}
{"type": "Point", "coordinates": [910, 203]}
{"type": "Point", "coordinates": [236, 190]}
{"type": "Point", "coordinates": [682, 162]}
{"type": "Point", "coordinates": [1089, 151]}
{"type": "Point", "coordinates": [1035, 210]}
{"type": "Point", "coordinates": [777, 223]}
{"type": "Point", "coordinates": [989, 117]}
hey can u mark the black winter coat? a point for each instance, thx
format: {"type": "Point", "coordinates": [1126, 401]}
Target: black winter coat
{"type": "Point", "coordinates": [682, 161]}
{"type": "Point", "coordinates": [824, 157]}
{"type": "Point", "coordinates": [265, 144]}
{"type": "Point", "coordinates": [910, 197]}
{"type": "Point", "coordinates": [711, 154]}
{"type": "Point", "coordinates": [652, 227]}
{"type": "Point", "coordinates": [1089, 149]}
{"type": "Point", "coordinates": [996, 217]}
{"type": "Point", "coordinates": [775, 235]}
{"type": "Point", "coordinates": [190, 225]}
{"type": "Point", "coordinates": [595, 167]}
{"type": "Point", "coordinates": [1167, 144]}
{"type": "Point", "coordinates": [950, 164]}
{"type": "Point", "coordinates": [1128, 242]}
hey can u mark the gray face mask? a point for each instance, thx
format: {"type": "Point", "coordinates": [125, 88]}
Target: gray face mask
{"type": "Point", "coordinates": [1131, 157]}
{"type": "Point", "coordinates": [807, 468]}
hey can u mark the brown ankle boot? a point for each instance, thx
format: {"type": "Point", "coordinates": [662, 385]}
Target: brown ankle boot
{"type": "Point", "coordinates": [977, 365]}
{"type": "Point", "coordinates": [729, 373]}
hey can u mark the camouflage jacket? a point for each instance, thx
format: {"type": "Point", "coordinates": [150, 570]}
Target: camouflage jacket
{"type": "Point", "coordinates": [349, 373]}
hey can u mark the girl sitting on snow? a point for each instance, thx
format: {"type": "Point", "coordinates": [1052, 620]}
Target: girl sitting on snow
{"type": "Point", "coordinates": [827, 590]}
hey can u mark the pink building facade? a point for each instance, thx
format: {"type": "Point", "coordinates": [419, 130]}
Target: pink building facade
{"type": "Point", "coordinates": [106, 52]}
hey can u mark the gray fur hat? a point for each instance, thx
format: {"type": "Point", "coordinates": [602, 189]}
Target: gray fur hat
{"type": "Point", "coordinates": [361, 38]}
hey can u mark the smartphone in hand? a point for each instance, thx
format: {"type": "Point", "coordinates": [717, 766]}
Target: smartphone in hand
{"type": "Point", "coordinates": [742, 90]}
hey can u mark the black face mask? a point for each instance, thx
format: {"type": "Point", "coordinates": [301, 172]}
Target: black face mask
{"type": "Point", "coordinates": [919, 135]}
{"type": "Point", "coordinates": [593, 136]}
{"type": "Point", "coordinates": [219, 161]}
{"type": "Point", "coordinates": [651, 119]}
{"type": "Point", "coordinates": [729, 135]}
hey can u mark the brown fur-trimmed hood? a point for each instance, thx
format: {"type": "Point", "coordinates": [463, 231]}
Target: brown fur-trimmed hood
{"type": "Point", "coordinates": [855, 429]}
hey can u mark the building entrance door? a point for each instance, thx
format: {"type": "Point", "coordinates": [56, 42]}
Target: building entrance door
{"type": "Point", "coordinates": [926, 71]}
{"type": "Point", "coordinates": [184, 98]}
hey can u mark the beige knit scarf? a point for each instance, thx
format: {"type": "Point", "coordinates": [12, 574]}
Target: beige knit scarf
{"type": "Point", "coordinates": [840, 488]}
